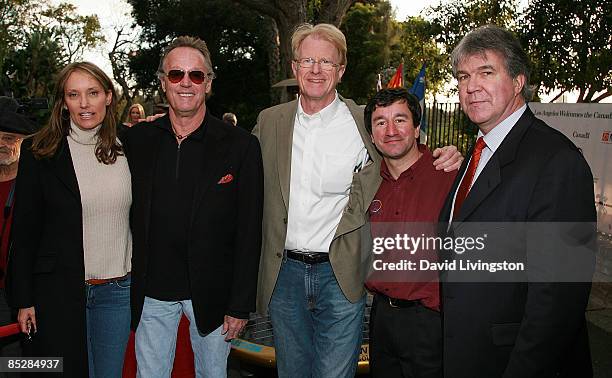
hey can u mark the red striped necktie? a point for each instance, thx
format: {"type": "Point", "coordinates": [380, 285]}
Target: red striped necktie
{"type": "Point", "coordinates": [466, 183]}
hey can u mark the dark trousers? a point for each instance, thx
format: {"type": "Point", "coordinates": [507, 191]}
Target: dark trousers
{"type": "Point", "coordinates": [404, 342]}
{"type": "Point", "coordinates": [9, 346]}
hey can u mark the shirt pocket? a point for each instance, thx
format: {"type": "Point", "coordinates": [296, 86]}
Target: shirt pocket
{"type": "Point", "coordinates": [337, 173]}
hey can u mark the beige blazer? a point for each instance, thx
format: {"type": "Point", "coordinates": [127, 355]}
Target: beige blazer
{"type": "Point", "coordinates": [350, 249]}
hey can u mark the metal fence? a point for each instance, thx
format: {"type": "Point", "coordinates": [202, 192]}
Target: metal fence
{"type": "Point", "coordinates": [447, 124]}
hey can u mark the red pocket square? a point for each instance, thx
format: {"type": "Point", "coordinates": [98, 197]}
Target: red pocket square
{"type": "Point", "coordinates": [227, 178]}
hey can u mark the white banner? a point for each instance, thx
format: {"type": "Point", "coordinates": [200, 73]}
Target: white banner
{"type": "Point", "coordinates": [589, 126]}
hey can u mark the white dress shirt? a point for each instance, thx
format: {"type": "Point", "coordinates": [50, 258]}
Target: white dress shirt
{"type": "Point", "coordinates": [327, 149]}
{"type": "Point", "coordinates": [493, 140]}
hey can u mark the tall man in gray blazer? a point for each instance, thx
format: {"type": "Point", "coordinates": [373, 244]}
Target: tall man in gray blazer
{"type": "Point", "coordinates": [321, 172]}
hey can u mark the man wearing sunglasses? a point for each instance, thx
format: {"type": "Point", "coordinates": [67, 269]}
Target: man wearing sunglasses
{"type": "Point", "coordinates": [322, 172]}
{"type": "Point", "coordinates": [196, 219]}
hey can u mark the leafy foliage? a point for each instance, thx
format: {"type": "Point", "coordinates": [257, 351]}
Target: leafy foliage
{"type": "Point", "coordinates": [377, 43]}
{"type": "Point", "coordinates": [371, 34]}
{"type": "Point", "coordinates": [568, 41]}
{"type": "Point", "coordinates": [450, 21]}
{"type": "Point", "coordinates": [455, 19]}
{"type": "Point", "coordinates": [39, 39]}
{"type": "Point", "coordinates": [571, 46]}
{"type": "Point", "coordinates": [236, 38]}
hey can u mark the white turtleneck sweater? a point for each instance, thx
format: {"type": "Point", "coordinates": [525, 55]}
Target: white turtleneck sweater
{"type": "Point", "coordinates": [106, 197]}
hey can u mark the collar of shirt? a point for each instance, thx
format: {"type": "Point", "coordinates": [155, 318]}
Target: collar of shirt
{"type": "Point", "coordinates": [198, 134]}
{"type": "Point", "coordinates": [496, 136]}
{"type": "Point", "coordinates": [326, 114]}
{"type": "Point", "coordinates": [423, 162]}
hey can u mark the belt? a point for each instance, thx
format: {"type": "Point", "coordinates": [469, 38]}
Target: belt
{"type": "Point", "coordinates": [308, 257]}
{"type": "Point", "coordinates": [101, 281]}
{"type": "Point", "coordinates": [400, 303]}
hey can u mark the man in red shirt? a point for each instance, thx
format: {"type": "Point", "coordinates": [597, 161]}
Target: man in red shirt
{"type": "Point", "coordinates": [405, 325]}
{"type": "Point", "coordinates": [13, 128]}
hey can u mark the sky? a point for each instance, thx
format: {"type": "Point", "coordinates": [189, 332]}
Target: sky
{"type": "Point", "coordinates": [404, 8]}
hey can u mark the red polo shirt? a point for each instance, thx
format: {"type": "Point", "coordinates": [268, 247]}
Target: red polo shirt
{"type": "Point", "coordinates": [416, 196]}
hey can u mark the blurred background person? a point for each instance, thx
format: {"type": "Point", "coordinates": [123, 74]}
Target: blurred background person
{"type": "Point", "coordinates": [135, 115]}
{"type": "Point", "coordinates": [13, 128]}
{"type": "Point", "coordinates": [70, 259]}
{"type": "Point", "coordinates": [230, 118]}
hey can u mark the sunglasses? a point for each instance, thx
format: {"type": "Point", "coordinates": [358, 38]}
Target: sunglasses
{"type": "Point", "coordinates": [196, 77]}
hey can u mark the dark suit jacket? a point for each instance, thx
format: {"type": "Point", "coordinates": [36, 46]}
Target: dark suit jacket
{"type": "Point", "coordinates": [225, 226]}
{"type": "Point", "coordinates": [46, 268]}
{"type": "Point", "coordinates": [523, 329]}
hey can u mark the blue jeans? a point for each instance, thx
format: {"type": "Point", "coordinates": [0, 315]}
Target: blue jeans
{"type": "Point", "coordinates": [156, 341]}
{"type": "Point", "coordinates": [317, 331]}
{"type": "Point", "coordinates": [108, 327]}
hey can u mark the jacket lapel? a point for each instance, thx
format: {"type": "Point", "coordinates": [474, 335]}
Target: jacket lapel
{"type": "Point", "coordinates": [214, 156]}
{"type": "Point", "coordinates": [446, 209]}
{"type": "Point", "coordinates": [284, 143]}
{"type": "Point", "coordinates": [365, 184]}
{"type": "Point", "coordinates": [61, 165]}
{"type": "Point", "coordinates": [490, 177]}
{"type": "Point", "coordinates": [487, 181]}
{"type": "Point", "coordinates": [369, 178]}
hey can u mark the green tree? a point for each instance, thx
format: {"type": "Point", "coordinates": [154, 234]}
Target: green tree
{"type": "Point", "coordinates": [125, 46]}
{"type": "Point", "coordinates": [33, 66]}
{"type": "Point", "coordinates": [238, 40]}
{"type": "Point", "coordinates": [418, 46]}
{"type": "Point", "coordinates": [12, 20]}
{"type": "Point", "coordinates": [43, 38]}
{"type": "Point", "coordinates": [453, 20]}
{"type": "Point", "coordinates": [287, 14]}
{"type": "Point", "coordinates": [377, 43]}
{"type": "Point", "coordinates": [75, 33]}
{"type": "Point", "coordinates": [372, 34]}
{"type": "Point", "coordinates": [570, 44]}
{"type": "Point", "coordinates": [456, 19]}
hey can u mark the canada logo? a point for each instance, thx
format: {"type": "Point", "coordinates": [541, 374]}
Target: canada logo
{"type": "Point", "coordinates": [606, 137]}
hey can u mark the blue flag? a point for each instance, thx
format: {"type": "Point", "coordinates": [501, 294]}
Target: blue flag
{"type": "Point", "coordinates": [418, 89]}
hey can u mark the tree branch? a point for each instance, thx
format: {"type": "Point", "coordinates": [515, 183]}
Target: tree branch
{"type": "Point", "coordinates": [581, 95]}
{"type": "Point", "coordinates": [266, 7]}
{"type": "Point", "coordinates": [607, 93]}
{"type": "Point", "coordinates": [333, 11]}
{"type": "Point", "coordinates": [559, 95]}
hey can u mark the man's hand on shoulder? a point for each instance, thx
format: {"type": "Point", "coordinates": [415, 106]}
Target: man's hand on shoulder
{"type": "Point", "coordinates": [447, 158]}
{"type": "Point", "coordinates": [152, 118]}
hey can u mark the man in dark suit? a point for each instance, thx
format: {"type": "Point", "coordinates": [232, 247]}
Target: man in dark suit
{"type": "Point", "coordinates": [521, 171]}
{"type": "Point", "coordinates": [196, 218]}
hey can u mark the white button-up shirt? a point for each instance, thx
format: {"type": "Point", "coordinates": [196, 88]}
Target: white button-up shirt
{"type": "Point", "coordinates": [327, 149]}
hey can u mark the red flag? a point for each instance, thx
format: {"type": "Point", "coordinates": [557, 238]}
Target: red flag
{"type": "Point", "coordinates": [397, 81]}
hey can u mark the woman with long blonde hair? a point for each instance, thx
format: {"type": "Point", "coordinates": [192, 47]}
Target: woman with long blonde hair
{"type": "Point", "coordinates": [135, 114]}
